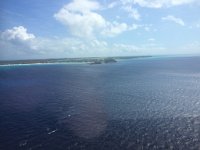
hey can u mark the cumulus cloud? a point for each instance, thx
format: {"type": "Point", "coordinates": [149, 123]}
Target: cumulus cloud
{"type": "Point", "coordinates": [174, 19]}
{"type": "Point", "coordinates": [18, 38]}
{"type": "Point", "coordinates": [158, 3]}
{"type": "Point", "coordinates": [17, 33]}
{"type": "Point", "coordinates": [26, 46]}
{"type": "Point", "coordinates": [86, 21]}
{"type": "Point", "coordinates": [80, 18]}
{"type": "Point", "coordinates": [18, 43]}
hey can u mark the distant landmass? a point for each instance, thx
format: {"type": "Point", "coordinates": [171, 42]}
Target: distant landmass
{"type": "Point", "coordinates": [103, 60]}
{"type": "Point", "coordinates": [89, 60]}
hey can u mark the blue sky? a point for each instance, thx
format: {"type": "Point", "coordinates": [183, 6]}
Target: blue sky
{"type": "Point", "coordinates": [84, 28]}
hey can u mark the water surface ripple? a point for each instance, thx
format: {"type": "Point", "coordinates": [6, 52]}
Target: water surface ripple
{"type": "Point", "coordinates": [151, 103]}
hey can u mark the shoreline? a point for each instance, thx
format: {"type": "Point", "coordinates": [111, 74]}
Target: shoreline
{"type": "Point", "coordinates": [82, 61]}
{"type": "Point", "coordinates": [31, 64]}
{"type": "Point", "coordinates": [67, 61]}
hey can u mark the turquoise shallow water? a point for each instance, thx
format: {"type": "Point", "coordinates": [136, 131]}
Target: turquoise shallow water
{"type": "Point", "coordinates": [151, 103]}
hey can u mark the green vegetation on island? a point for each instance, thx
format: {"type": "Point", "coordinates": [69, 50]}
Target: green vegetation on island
{"type": "Point", "coordinates": [104, 60]}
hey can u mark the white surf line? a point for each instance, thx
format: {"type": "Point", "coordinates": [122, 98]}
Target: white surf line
{"type": "Point", "coordinates": [52, 131]}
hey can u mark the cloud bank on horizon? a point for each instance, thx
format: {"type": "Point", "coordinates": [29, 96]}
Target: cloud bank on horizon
{"type": "Point", "coordinates": [84, 28]}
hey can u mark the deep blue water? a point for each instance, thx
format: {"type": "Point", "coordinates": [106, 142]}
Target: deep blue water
{"type": "Point", "coordinates": [151, 103]}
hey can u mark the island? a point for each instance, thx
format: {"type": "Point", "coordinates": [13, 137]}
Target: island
{"type": "Point", "coordinates": [104, 60]}
{"type": "Point", "coordinates": [88, 60]}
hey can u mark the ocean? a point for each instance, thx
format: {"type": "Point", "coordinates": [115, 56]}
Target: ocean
{"type": "Point", "coordinates": [142, 104]}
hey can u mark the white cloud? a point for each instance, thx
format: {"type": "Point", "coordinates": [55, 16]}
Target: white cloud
{"type": "Point", "coordinates": [17, 33]}
{"type": "Point", "coordinates": [132, 12]}
{"type": "Point", "coordinates": [158, 3]}
{"type": "Point", "coordinates": [81, 18]}
{"type": "Point", "coordinates": [18, 43]}
{"type": "Point", "coordinates": [174, 19]}
{"type": "Point", "coordinates": [18, 38]}
{"type": "Point", "coordinates": [115, 28]}
{"type": "Point", "coordinates": [30, 46]}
